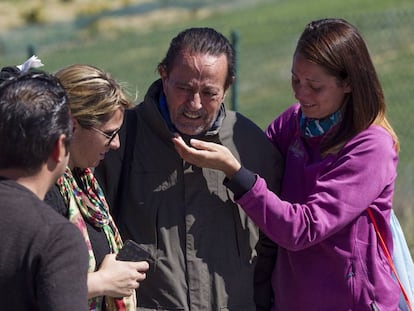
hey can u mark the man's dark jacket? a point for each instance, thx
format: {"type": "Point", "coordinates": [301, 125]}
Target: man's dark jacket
{"type": "Point", "coordinates": [202, 243]}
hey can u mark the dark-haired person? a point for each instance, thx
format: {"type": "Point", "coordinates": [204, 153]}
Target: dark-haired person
{"type": "Point", "coordinates": [203, 244]}
{"type": "Point", "coordinates": [341, 158]}
{"type": "Point", "coordinates": [97, 103]}
{"type": "Point", "coordinates": [40, 267]}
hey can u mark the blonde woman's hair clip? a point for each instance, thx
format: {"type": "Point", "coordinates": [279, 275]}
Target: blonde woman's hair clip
{"type": "Point", "coordinates": [32, 62]}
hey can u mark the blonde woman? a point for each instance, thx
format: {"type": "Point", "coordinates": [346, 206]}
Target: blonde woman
{"type": "Point", "coordinates": [97, 103]}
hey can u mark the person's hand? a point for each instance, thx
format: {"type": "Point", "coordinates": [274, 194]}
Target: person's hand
{"type": "Point", "coordinates": [116, 278]}
{"type": "Point", "coordinates": [207, 154]}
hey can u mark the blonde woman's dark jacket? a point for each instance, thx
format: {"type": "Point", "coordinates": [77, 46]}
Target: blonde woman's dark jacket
{"type": "Point", "coordinates": [202, 243]}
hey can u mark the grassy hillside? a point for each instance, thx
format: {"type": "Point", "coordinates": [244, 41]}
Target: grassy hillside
{"type": "Point", "coordinates": [130, 46]}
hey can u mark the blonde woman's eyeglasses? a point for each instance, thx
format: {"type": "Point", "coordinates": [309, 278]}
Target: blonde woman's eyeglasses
{"type": "Point", "coordinates": [109, 135]}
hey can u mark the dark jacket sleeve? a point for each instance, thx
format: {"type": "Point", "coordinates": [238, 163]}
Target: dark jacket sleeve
{"type": "Point", "coordinates": [266, 260]}
{"type": "Point", "coordinates": [266, 249]}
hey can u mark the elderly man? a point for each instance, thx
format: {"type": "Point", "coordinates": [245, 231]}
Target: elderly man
{"type": "Point", "coordinates": [203, 244]}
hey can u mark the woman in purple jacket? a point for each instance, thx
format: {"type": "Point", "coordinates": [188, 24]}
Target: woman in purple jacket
{"type": "Point", "coordinates": [341, 158]}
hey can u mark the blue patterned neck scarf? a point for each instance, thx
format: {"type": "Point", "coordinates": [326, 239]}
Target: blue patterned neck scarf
{"type": "Point", "coordinates": [317, 127]}
{"type": "Point", "coordinates": [162, 104]}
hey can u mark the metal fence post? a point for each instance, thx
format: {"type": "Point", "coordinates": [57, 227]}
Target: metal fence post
{"type": "Point", "coordinates": [234, 92]}
{"type": "Point", "coordinates": [31, 50]}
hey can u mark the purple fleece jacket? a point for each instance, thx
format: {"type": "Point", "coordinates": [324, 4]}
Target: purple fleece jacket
{"type": "Point", "coordinates": [329, 257]}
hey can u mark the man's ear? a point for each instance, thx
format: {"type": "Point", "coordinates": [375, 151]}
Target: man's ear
{"type": "Point", "coordinates": [162, 71]}
{"type": "Point", "coordinates": [228, 86]}
{"type": "Point", "coordinates": [164, 76]}
{"type": "Point", "coordinates": [59, 152]}
{"type": "Point", "coordinates": [231, 81]}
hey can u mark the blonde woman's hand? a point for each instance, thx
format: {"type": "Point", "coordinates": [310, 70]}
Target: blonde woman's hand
{"type": "Point", "coordinates": [116, 278]}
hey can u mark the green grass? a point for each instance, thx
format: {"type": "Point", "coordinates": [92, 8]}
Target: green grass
{"type": "Point", "coordinates": [268, 32]}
